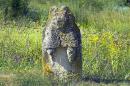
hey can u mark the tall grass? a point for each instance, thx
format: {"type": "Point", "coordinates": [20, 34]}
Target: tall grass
{"type": "Point", "coordinates": [20, 47]}
{"type": "Point", "coordinates": [105, 38]}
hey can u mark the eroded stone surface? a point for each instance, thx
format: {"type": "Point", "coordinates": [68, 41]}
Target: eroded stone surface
{"type": "Point", "coordinates": [62, 41]}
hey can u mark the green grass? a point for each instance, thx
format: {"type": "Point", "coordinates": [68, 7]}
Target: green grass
{"type": "Point", "coordinates": [20, 48]}
{"type": "Point", "coordinates": [106, 48]}
{"type": "Point", "coordinates": [105, 39]}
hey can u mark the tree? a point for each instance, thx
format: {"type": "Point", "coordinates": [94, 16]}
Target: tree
{"type": "Point", "coordinates": [14, 8]}
{"type": "Point", "coordinates": [128, 1]}
{"type": "Point", "coordinates": [19, 7]}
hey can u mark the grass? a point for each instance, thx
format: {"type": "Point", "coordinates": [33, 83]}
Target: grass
{"type": "Point", "coordinates": [105, 39]}
{"type": "Point", "coordinates": [21, 47]}
{"type": "Point", "coordinates": [106, 45]}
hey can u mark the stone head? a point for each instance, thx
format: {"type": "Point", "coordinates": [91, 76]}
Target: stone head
{"type": "Point", "coordinates": [61, 16]}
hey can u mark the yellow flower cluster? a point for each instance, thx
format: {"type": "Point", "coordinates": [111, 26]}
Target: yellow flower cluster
{"type": "Point", "coordinates": [93, 38]}
{"type": "Point", "coordinates": [109, 42]}
{"type": "Point", "coordinates": [105, 39]}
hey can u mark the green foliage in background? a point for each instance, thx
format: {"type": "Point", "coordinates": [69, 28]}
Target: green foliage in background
{"type": "Point", "coordinates": [105, 29]}
{"type": "Point", "coordinates": [19, 7]}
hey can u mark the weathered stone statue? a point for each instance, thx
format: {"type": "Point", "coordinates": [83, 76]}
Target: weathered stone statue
{"type": "Point", "coordinates": [62, 42]}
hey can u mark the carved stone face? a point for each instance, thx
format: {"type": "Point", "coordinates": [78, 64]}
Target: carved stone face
{"type": "Point", "coordinates": [58, 16]}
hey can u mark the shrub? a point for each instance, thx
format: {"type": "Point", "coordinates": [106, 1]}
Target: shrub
{"type": "Point", "coordinates": [14, 8]}
{"type": "Point", "coordinates": [19, 7]}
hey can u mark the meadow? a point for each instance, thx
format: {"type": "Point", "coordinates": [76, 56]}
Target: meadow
{"type": "Point", "coordinates": [105, 29]}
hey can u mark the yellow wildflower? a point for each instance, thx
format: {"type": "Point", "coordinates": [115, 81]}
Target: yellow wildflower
{"type": "Point", "coordinates": [113, 49]}
{"type": "Point", "coordinates": [94, 38]}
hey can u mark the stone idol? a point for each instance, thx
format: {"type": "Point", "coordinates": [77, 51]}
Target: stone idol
{"type": "Point", "coordinates": [61, 44]}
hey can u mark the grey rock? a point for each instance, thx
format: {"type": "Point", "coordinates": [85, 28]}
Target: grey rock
{"type": "Point", "coordinates": [61, 44]}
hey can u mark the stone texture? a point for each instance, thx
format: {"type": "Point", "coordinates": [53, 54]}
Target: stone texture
{"type": "Point", "coordinates": [61, 44]}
